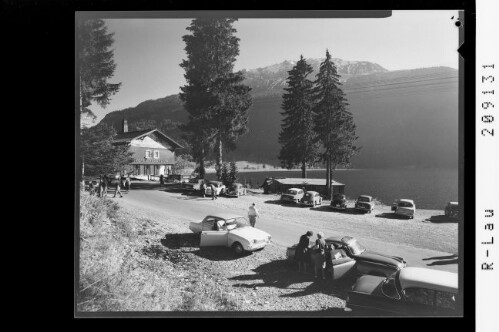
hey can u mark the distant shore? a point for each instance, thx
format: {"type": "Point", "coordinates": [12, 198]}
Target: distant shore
{"type": "Point", "coordinates": [247, 170]}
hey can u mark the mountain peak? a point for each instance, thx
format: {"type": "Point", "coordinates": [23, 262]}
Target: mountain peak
{"type": "Point", "coordinates": [272, 78]}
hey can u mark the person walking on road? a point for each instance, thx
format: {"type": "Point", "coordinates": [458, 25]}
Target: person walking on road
{"type": "Point", "coordinates": [118, 191]}
{"type": "Point", "coordinates": [253, 214]}
{"type": "Point", "coordinates": [301, 252]}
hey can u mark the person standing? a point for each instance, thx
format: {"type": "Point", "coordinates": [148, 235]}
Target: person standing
{"type": "Point", "coordinates": [203, 189]}
{"type": "Point", "coordinates": [301, 251]}
{"type": "Point", "coordinates": [118, 191]}
{"type": "Point", "coordinates": [253, 214]}
{"type": "Point", "coordinates": [128, 183]}
{"type": "Point", "coordinates": [319, 255]}
{"type": "Point", "coordinates": [161, 180]}
{"type": "Point", "coordinates": [213, 192]}
{"type": "Point", "coordinates": [103, 187]}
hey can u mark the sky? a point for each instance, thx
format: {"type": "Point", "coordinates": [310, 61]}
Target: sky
{"type": "Point", "coordinates": [147, 52]}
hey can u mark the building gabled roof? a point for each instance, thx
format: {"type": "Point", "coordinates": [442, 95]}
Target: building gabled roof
{"type": "Point", "coordinates": [131, 135]}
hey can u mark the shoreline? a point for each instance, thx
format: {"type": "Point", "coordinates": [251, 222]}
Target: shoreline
{"type": "Point", "coordinates": [249, 170]}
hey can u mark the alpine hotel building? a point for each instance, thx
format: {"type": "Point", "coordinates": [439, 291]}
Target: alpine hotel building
{"type": "Point", "coordinates": [153, 151]}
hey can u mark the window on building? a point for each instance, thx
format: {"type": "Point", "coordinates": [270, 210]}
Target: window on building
{"type": "Point", "coordinates": [156, 154]}
{"type": "Point", "coordinates": [148, 153]}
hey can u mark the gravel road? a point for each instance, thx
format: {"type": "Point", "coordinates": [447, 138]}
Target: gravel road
{"type": "Point", "coordinates": [265, 280]}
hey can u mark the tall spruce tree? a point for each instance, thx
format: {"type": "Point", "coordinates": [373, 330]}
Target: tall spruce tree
{"type": "Point", "coordinates": [215, 98]}
{"type": "Point", "coordinates": [96, 64]}
{"type": "Point", "coordinates": [100, 156]}
{"type": "Point", "coordinates": [334, 125]}
{"type": "Point", "coordinates": [297, 135]}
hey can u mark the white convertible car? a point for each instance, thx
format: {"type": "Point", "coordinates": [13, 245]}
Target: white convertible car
{"type": "Point", "coordinates": [230, 230]}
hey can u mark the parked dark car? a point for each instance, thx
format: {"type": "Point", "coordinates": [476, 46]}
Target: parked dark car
{"type": "Point", "coordinates": [452, 210]}
{"type": "Point", "coordinates": [366, 261]}
{"type": "Point", "coordinates": [365, 203]}
{"type": "Point", "coordinates": [235, 190]}
{"type": "Point", "coordinates": [192, 185]}
{"type": "Point", "coordinates": [412, 291]}
{"type": "Point", "coordinates": [339, 201]}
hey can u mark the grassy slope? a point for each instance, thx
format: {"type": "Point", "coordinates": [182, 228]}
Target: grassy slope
{"type": "Point", "coordinates": [124, 267]}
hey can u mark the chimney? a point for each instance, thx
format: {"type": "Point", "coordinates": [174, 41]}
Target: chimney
{"type": "Point", "coordinates": [125, 126]}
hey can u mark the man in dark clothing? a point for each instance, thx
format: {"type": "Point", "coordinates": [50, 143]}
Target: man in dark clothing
{"type": "Point", "coordinates": [301, 252]}
{"type": "Point", "coordinates": [203, 189]}
{"type": "Point", "coordinates": [161, 180]}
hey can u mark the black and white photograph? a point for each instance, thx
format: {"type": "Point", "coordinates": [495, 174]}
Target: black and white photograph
{"type": "Point", "coordinates": [272, 165]}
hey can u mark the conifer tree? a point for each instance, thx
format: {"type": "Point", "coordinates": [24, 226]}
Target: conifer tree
{"type": "Point", "coordinates": [96, 64]}
{"type": "Point", "coordinates": [334, 125]}
{"type": "Point", "coordinates": [214, 97]}
{"type": "Point", "coordinates": [233, 173]}
{"type": "Point", "coordinates": [100, 156]}
{"type": "Point", "coordinates": [297, 135]}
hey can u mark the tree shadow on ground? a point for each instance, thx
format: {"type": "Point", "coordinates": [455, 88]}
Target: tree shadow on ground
{"type": "Point", "coordinates": [279, 202]}
{"type": "Point", "coordinates": [390, 215]}
{"type": "Point", "coordinates": [180, 240]}
{"type": "Point", "coordinates": [441, 219]}
{"type": "Point", "coordinates": [284, 274]}
{"type": "Point", "coordinates": [219, 254]}
{"type": "Point", "coordinates": [189, 243]}
{"type": "Point", "coordinates": [327, 208]}
{"type": "Point", "coordinates": [443, 260]}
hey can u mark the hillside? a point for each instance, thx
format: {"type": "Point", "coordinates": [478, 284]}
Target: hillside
{"type": "Point", "coordinates": [405, 118]}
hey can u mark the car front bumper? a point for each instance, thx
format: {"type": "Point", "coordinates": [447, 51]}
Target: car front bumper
{"type": "Point", "coordinates": [256, 246]}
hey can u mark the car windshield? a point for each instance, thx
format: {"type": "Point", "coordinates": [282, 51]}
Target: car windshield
{"type": "Point", "coordinates": [339, 197]}
{"type": "Point", "coordinates": [237, 222]}
{"type": "Point", "coordinates": [405, 204]}
{"type": "Point", "coordinates": [292, 192]}
{"type": "Point", "coordinates": [193, 181]}
{"type": "Point", "coordinates": [390, 288]}
{"type": "Point", "coordinates": [355, 247]}
{"type": "Point", "coordinates": [308, 195]}
{"type": "Point", "coordinates": [364, 199]}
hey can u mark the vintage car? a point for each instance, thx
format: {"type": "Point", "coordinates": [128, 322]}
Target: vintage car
{"type": "Point", "coordinates": [219, 188]}
{"type": "Point", "coordinates": [95, 184]}
{"type": "Point", "coordinates": [311, 198]}
{"type": "Point", "coordinates": [235, 190]}
{"type": "Point", "coordinates": [292, 195]}
{"type": "Point", "coordinates": [364, 203]}
{"type": "Point", "coordinates": [404, 207]}
{"type": "Point", "coordinates": [410, 291]}
{"type": "Point", "coordinates": [230, 230]}
{"type": "Point", "coordinates": [193, 185]}
{"type": "Point", "coordinates": [452, 210]}
{"type": "Point", "coordinates": [366, 261]}
{"type": "Point", "coordinates": [339, 201]}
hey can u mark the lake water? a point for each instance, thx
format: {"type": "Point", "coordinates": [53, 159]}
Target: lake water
{"type": "Point", "coordinates": [429, 188]}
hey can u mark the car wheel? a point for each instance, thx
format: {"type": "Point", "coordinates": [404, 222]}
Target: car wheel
{"type": "Point", "coordinates": [238, 248]}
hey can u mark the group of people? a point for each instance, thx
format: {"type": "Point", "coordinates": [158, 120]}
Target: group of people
{"type": "Point", "coordinates": [104, 184]}
{"type": "Point", "coordinates": [213, 190]}
{"type": "Point", "coordinates": [312, 253]}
